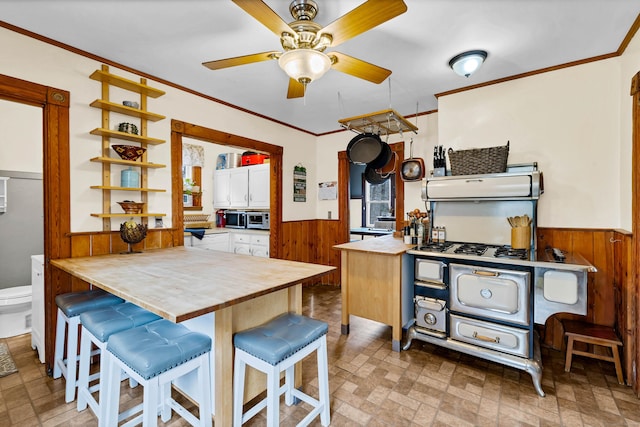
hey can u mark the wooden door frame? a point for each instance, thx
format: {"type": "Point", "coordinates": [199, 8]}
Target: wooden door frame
{"type": "Point", "coordinates": [633, 293]}
{"type": "Point", "coordinates": [180, 129]}
{"type": "Point", "coordinates": [56, 185]}
{"type": "Point", "coordinates": [343, 190]}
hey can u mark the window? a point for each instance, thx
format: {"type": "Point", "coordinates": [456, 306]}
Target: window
{"type": "Point", "coordinates": [379, 200]}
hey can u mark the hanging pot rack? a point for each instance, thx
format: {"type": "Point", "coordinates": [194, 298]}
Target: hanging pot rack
{"type": "Point", "coordinates": [385, 122]}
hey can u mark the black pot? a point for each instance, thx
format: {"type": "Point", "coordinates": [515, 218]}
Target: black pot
{"type": "Point", "coordinates": [373, 177]}
{"type": "Point", "coordinates": [383, 158]}
{"type": "Point", "coordinates": [364, 148]}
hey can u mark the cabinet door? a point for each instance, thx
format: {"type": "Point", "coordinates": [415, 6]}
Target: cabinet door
{"type": "Point", "coordinates": [221, 181]}
{"type": "Point", "coordinates": [259, 186]}
{"type": "Point", "coordinates": [242, 249]}
{"type": "Point", "coordinates": [37, 305]}
{"type": "Point", "coordinates": [239, 187]}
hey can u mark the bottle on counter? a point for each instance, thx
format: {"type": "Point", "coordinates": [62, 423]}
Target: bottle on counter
{"type": "Point", "coordinates": [442, 234]}
{"type": "Point", "coordinates": [435, 235]}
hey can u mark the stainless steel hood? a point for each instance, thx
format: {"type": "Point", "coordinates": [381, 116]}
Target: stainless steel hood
{"type": "Point", "coordinates": [520, 182]}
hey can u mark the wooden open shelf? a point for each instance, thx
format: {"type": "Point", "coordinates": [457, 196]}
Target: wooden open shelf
{"type": "Point", "coordinates": [125, 215]}
{"type": "Point", "coordinates": [129, 111]}
{"type": "Point", "coordinates": [127, 162]}
{"type": "Point", "coordinates": [385, 122]}
{"type": "Point", "coordinates": [130, 85]}
{"type": "Point", "coordinates": [126, 136]}
{"type": "Point", "coordinates": [107, 187]}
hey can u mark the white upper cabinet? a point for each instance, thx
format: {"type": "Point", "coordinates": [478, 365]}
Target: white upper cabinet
{"type": "Point", "coordinates": [243, 187]}
{"type": "Point", "coordinates": [259, 187]}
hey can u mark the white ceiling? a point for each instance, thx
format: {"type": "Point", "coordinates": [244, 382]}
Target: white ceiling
{"type": "Point", "coordinates": [170, 40]}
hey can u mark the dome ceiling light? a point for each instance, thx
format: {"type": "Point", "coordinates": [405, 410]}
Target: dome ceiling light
{"type": "Point", "coordinates": [466, 63]}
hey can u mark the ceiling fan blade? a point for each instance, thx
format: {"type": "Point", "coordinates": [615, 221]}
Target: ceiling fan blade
{"type": "Point", "coordinates": [296, 89]}
{"type": "Point", "coordinates": [359, 68]}
{"type": "Point", "coordinates": [240, 60]}
{"type": "Point", "coordinates": [265, 15]}
{"type": "Point", "coordinates": [368, 15]}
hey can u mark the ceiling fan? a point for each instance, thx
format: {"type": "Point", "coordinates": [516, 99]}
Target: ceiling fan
{"type": "Point", "coordinates": [304, 41]}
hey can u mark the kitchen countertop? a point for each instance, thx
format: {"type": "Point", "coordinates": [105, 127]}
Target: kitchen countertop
{"type": "Point", "coordinates": [387, 245]}
{"type": "Point", "coordinates": [222, 230]}
{"type": "Point", "coordinates": [181, 283]}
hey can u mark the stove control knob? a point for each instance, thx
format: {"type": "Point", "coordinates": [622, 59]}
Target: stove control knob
{"type": "Point", "coordinates": [430, 319]}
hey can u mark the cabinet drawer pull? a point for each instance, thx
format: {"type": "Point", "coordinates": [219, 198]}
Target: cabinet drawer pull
{"type": "Point", "coordinates": [486, 339]}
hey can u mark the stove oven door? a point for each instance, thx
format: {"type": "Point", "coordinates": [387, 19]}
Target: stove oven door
{"type": "Point", "coordinates": [430, 273]}
{"type": "Point", "coordinates": [492, 293]}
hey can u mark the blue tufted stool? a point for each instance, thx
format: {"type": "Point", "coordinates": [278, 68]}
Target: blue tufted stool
{"type": "Point", "coordinates": [97, 327]}
{"type": "Point", "coordinates": [154, 355]}
{"type": "Point", "coordinates": [274, 347]}
{"type": "Point", "coordinates": [70, 306]}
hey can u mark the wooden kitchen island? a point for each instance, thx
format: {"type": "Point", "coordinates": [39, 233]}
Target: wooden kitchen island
{"type": "Point", "coordinates": [376, 283]}
{"type": "Point", "coordinates": [228, 292]}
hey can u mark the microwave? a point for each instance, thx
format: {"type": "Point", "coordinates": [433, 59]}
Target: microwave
{"type": "Point", "coordinates": [258, 220]}
{"type": "Point", "coordinates": [235, 219]}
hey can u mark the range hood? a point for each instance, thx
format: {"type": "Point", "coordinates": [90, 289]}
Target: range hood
{"type": "Point", "coordinates": [520, 182]}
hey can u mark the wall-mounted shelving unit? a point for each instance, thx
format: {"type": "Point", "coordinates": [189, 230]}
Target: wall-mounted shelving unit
{"type": "Point", "coordinates": [107, 106]}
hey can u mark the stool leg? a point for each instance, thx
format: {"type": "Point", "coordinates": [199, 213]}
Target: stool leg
{"type": "Point", "coordinates": [150, 403]}
{"type": "Point", "coordinates": [323, 382]}
{"type": "Point", "coordinates": [61, 326]}
{"type": "Point", "coordinates": [273, 397]}
{"type": "Point", "coordinates": [83, 374]}
{"type": "Point", "coordinates": [567, 364]}
{"type": "Point", "coordinates": [72, 359]}
{"type": "Point", "coordinates": [289, 383]}
{"type": "Point", "coordinates": [111, 392]}
{"type": "Point", "coordinates": [204, 380]}
{"type": "Point", "coordinates": [238, 389]}
{"type": "Point", "coordinates": [165, 399]}
{"type": "Point", "coordinates": [616, 361]}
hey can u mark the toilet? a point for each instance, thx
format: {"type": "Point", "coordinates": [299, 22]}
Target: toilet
{"type": "Point", "coordinates": [15, 311]}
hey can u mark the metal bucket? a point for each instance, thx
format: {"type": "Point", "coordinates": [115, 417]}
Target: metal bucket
{"type": "Point", "coordinates": [233, 160]}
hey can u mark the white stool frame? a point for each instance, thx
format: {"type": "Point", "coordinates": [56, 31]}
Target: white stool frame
{"type": "Point", "coordinates": [157, 394]}
{"type": "Point", "coordinates": [68, 367]}
{"type": "Point", "coordinates": [85, 391]}
{"type": "Point", "coordinates": [274, 390]}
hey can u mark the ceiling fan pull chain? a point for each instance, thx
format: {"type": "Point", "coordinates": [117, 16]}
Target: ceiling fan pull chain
{"type": "Point", "coordinates": [389, 92]}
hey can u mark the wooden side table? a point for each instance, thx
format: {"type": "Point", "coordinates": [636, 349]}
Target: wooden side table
{"type": "Point", "coordinates": [589, 333]}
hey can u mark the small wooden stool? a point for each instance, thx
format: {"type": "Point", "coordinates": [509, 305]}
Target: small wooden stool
{"type": "Point", "coordinates": [589, 333]}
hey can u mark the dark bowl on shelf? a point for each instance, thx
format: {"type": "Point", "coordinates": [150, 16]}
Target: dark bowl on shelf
{"type": "Point", "coordinates": [129, 152]}
{"type": "Point", "coordinates": [131, 207]}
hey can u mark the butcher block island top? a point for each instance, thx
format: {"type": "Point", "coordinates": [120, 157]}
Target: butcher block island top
{"type": "Point", "coordinates": [384, 245]}
{"type": "Point", "coordinates": [183, 282]}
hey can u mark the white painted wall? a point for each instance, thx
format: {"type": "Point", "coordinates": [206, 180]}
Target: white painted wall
{"type": "Point", "coordinates": [42, 63]}
{"type": "Point", "coordinates": [567, 121]}
{"type": "Point", "coordinates": [575, 122]}
{"type": "Point", "coordinates": [20, 137]}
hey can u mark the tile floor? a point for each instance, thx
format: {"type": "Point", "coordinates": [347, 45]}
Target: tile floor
{"type": "Point", "coordinates": [373, 386]}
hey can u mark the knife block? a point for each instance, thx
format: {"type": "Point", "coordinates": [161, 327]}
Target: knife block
{"type": "Point", "coordinates": [521, 237]}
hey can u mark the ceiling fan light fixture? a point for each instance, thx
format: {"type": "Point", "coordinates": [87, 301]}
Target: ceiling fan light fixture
{"type": "Point", "coordinates": [304, 65]}
{"type": "Point", "coordinates": [467, 63]}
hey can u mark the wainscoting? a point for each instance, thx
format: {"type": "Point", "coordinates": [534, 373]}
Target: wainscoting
{"type": "Point", "coordinates": [611, 295]}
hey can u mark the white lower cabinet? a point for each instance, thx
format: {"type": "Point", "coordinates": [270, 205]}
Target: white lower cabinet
{"type": "Point", "coordinates": [37, 305]}
{"type": "Point", "coordinates": [213, 242]}
{"type": "Point", "coordinates": [250, 244]}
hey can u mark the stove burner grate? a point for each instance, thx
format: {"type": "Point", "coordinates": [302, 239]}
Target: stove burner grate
{"type": "Point", "coordinates": [436, 247]}
{"type": "Point", "coordinates": [509, 252]}
{"type": "Point", "coordinates": [472, 249]}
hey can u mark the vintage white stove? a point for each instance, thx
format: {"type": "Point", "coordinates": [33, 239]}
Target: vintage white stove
{"type": "Point", "coordinates": [483, 299]}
